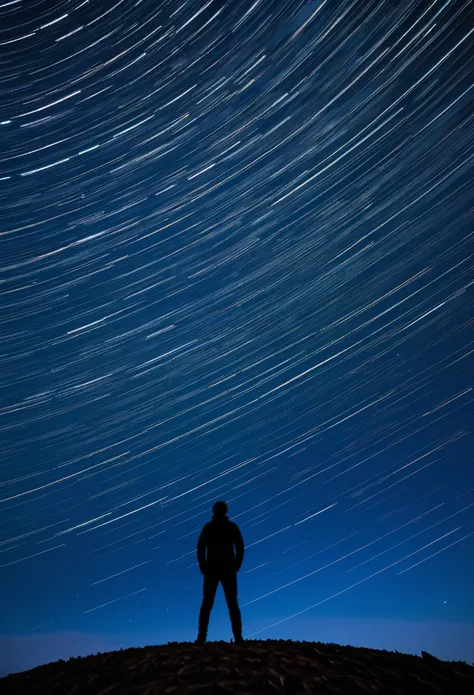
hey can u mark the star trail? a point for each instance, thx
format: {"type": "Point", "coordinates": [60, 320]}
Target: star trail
{"type": "Point", "coordinates": [236, 262]}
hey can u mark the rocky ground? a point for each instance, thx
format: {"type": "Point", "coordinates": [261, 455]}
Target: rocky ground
{"type": "Point", "coordinates": [221, 668]}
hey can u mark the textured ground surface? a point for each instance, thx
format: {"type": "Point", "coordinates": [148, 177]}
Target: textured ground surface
{"type": "Point", "coordinates": [219, 668]}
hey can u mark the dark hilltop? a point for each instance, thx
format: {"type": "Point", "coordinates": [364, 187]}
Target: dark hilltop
{"type": "Point", "coordinates": [221, 668]}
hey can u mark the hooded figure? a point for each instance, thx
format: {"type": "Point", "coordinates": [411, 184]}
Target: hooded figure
{"type": "Point", "coordinates": [219, 537]}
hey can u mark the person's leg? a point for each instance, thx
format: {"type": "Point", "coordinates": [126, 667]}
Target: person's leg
{"type": "Point", "coordinates": [209, 591]}
{"type": "Point", "coordinates": [229, 584]}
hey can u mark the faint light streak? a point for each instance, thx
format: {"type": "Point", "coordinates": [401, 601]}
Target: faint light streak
{"type": "Point", "coordinates": [249, 545]}
{"type": "Point", "coordinates": [451, 400]}
{"type": "Point", "coordinates": [339, 559]}
{"type": "Point", "coordinates": [84, 523]}
{"type": "Point", "coordinates": [437, 553]}
{"type": "Point", "coordinates": [201, 172]}
{"type": "Point", "coordinates": [122, 572]}
{"type": "Point", "coordinates": [308, 20]}
{"type": "Point", "coordinates": [66, 36]}
{"type": "Point", "coordinates": [54, 482]}
{"type": "Point", "coordinates": [319, 603]}
{"type": "Point", "coordinates": [54, 21]}
{"type": "Point", "coordinates": [53, 103]}
{"type": "Point", "coordinates": [121, 598]}
{"type": "Point", "coordinates": [316, 514]}
{"type": "Point", "coordinates": [32, 533]}
{"type": "Point", "coordinates": [134, 511]}
{"type": "Point", "coordinates": [20, 38]}
{"type": "Point", "coordinates": [415, 535]}
{"type": "Point", "coordinates": [204, 7]}
{"type": "Point", "coordinates": [46, 166]}
{"type": "Point", "coordinates": [28, 557]}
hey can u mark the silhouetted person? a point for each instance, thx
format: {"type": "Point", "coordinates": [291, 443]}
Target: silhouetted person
{"type": "Point", "coordinates": [219, 537]}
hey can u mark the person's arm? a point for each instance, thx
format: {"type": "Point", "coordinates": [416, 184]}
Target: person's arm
{"type": "Point", "coordinates": [239, 548]}
{"type": "Point", "coordinates": [201, 550]}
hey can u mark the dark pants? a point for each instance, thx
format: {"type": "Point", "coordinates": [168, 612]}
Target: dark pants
{"type": "Point", "coordinates": [229, 584]}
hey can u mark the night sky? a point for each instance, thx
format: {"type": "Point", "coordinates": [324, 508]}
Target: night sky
{"type": "Point", "coordinates": [236, 263]}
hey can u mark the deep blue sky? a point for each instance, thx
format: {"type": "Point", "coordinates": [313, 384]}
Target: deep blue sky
{"type": "Point", "coordinates": [235, 263]}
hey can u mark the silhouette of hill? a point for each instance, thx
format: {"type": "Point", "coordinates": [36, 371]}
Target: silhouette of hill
{"type": "Point", "coordinates": [221, 668]}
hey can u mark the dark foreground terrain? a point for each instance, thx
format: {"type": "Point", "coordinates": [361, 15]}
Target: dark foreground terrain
{"type": "Point", "coordinates": [220, 668]}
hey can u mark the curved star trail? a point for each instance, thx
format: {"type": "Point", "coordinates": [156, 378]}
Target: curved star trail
{"type": "Point", "coordinates": [236, 261]}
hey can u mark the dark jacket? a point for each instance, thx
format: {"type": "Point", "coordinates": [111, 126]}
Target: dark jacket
{"type": "Point", "coordinates": [219, 537]}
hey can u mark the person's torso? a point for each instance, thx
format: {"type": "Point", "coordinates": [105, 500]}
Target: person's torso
{"type": "Point", "coordinates": [220, 544]}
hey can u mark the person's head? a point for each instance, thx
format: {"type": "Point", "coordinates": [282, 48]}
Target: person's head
{"type": "Point", "coordinates": [220, 509]}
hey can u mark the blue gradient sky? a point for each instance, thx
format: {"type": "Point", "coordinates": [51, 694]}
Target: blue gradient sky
{"type": "Point", "coordinates": [235, 263]}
